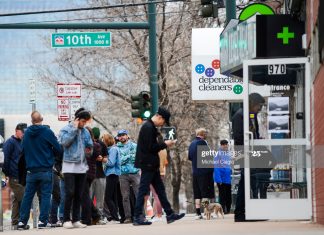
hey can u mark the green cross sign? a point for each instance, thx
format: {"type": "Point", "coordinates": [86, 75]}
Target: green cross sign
{"type": "Point", "coordinates": [285, 35]}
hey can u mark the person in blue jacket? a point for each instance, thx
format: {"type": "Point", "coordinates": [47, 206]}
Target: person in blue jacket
{"type": "Point", "coordinates": [222, 176]}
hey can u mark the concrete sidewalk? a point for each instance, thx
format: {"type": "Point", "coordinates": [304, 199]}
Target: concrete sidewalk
{"type": "Point", "coordinates": [189, 226]}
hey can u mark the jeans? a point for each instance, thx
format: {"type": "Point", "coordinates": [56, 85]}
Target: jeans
{"type": "Point", "coordinates": [41, 181]}
{"type": "Point", "coordinates": [74, 185]}
{"type": "Point", "coordinates": [97, 190]}
{"type": "Point", "coordinates": [56, 199]}
{"type": "Point", "coordinates": [225, 196]}
{"type": "Point", "coordinates": [239, 212]}
{"type": "Point", "coordinates": [154, 178]}
{"type": "Point", "coordinates": [111, 195]}
{"type": "Point", "coordinates": [126, 181]}
{"type": "Point", "coordinates": [89, 211]}
{"type": "Point", "coordinates": [61, 206]}
{"type": "Point", "coordinates": [18, 191]}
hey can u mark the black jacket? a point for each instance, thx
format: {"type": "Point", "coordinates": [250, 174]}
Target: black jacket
{"type": "Point", "coordinates": [147, 157]}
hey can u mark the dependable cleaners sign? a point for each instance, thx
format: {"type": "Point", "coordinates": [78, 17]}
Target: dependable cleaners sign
{"type": "Point", "coordinates": [206, 81]}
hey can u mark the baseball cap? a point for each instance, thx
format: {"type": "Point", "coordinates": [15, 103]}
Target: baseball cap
{"type": "Point", "coordinates": [21, 126]}
{"type": "Point", "coordinates": [165, 114]}
{"type": "Point", "coordinates": [122, 132]}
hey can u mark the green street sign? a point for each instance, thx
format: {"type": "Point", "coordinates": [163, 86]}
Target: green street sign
{"type": "Point", "coordinates": [84, 39]}
{"type": "Point", "coordinates": [255, 8]}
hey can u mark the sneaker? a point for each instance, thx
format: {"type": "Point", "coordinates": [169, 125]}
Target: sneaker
{"type": "Point", "coordinates": [156, 219]}
{"type": "Point", "coordinates": [101, 222]}
{"type": "Point", "coordinates": [78, 224]}
{"type": "Point", "coordinates": [22, 226]}
{"type": "Point", "coordinates": [42, 225]}
{"type": "Point", "coordinates": [199, 217]}
{"type": "Point", "coordinates": [128, 221]}
{"type": "Point", "coordinates": [141, 221]}
{"type": "Point", "coordinates": [173, 217]}
{"type": "Point", "coordinates": [58, 224]}
{"type": "Point", "coordinates": [68, 225]}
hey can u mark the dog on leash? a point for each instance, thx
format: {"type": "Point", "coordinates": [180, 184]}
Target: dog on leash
{"type": "Point", "coordinates": [212, 207]}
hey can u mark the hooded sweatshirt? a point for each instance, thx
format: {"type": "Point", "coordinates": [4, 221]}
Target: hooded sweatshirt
{"type": "Point", "coordinates": [39, 145]}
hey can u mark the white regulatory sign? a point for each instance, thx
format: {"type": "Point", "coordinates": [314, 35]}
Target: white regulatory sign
{"type": "Point", "coordinates": [63, 109]}
{"type": "Point", "coordinates": [276, 69]}
{"type": "Point", "coordinates": [75, 104]}
{"type": "Point", "coordinates": [69, 90]}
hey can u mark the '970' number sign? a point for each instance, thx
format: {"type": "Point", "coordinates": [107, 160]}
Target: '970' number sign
{"type": "Point", "coordinates": [276, 69]}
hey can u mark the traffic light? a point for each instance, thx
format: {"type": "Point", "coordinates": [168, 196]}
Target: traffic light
{"type": "Point", "coordinates": [210, 8]}
{"type": "Point", "coordinates": [136, 113]}
{"type": "Point", "coordinates": [141, 105]}
{"type": "Point", "coordinates": [145, 104]}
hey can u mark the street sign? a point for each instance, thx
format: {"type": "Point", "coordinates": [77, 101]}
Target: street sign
{"type": "Point", "coordinates": [84, 39]}
{"type": "Point", "coordinates": [75, 104]}
{"type": "Point", "coordinates": [32, 91]}
{"type": "Point", "coordinates": [68, 90]}
{"type": "Point", "coordinates": [63, 109]}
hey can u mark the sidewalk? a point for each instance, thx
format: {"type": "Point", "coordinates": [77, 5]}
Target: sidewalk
{"type": "Point", "coordinates": [189, 226]}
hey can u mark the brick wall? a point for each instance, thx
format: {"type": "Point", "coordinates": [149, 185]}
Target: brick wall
{"type": "Point", "coordinates": [319, 140]}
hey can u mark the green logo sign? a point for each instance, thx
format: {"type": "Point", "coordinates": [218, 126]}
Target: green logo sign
{"type": "Point", "coordinates": [285, 35]}
{"type": "Point", "coordinates": [237, 89]}
{"type": "Point", "coordinates": [255, 8]}
{"type": "Point", "coordinates": [81, 40]}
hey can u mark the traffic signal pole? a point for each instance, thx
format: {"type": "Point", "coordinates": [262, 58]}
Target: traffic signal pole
{"type": "Point", "coordinates": [154, 85]}
{"type": "Point", "coordinates": [230, 10]}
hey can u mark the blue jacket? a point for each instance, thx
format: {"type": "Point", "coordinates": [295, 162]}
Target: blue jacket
{"type": "Point", "coordinates": [112, 166]}
{"type": "Point", "coordinates": [39, 146]}
{"type": "Point", "coordinates": [12, 149]}
{"type": "Point", "coordinates": [127, 157]}
{"type": "Point", "coordinates": [223, 169]}
{"type": "Point", "coordinates": [74, 142]}
{"type": "Point", "coordinates": [192, 155]}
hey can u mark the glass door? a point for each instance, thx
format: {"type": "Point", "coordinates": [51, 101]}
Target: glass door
{"type": "Point", "coordinates": [277, 139]}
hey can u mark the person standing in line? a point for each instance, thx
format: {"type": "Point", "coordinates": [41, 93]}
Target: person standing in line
{"type": "Point", "coordinates": [129, 173]}
{"type": "Point", "coordinates": [77, 145]}
{"type": "Point", "coordinates": [99, 183]}
{"type": "Point", "coordinates": [39, 146]}
{"type": "Point", "coordinates": [112, 172]}
{"type": "Point", "coordinates": [256, 101]}
{"type": "Point", "coordinates": [147, 159]}
{"type": "Point", "coordinates": [202, 178]}
{"type": "Point", "coordinates": [12, 150]}
{"type": "Point", "coordinates": [90, 215]}
{"type": "Point", "coordinates": [223, 176]}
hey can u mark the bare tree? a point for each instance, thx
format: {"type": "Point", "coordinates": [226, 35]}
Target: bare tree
{"type": "Point", "coordinates": [110, 75]}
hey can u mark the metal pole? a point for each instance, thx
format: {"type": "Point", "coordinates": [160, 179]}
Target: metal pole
{"type": "Point", "coordinates": [153, 56]}
{"type": "Point", "coordinates": [230, 10]}
{"type": "Point", "coordinates": [1, 209]}
{"type": "Point", "coordinates": [114, 25]}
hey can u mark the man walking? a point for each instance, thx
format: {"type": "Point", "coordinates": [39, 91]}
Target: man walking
{"type": "Point", "coordinates": [147, 159]}
{"type": "Point", "coordinates": [39, 145]}
{"type": "Point", "coordinates": [12, 150]}
{"type": "Point", "coordinates": [202, 178]}
{"type": "Point", "coordinates": [129, 173]}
